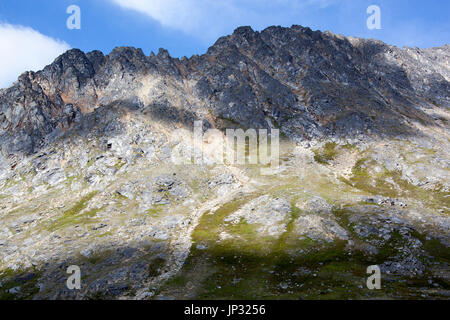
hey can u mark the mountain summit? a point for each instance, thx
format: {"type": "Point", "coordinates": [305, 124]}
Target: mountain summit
{"type": "Point", "coordinates": [312, 84]}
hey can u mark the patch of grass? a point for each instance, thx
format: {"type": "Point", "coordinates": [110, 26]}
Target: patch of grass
{"type": "Point", "coordinates": [244, 275]}
{"type": "Point", "coordinates": [155, 266]}
{"type": "Point", "coordinates": [154, 211]}
{"type": "Point", "coordinates": [177, 281]}
{"type": "Point", "coordinates": [350, 147]}
{"type": "Point", "coordinates": [375, 184]}
{"type": "Point", "coordinates": [119, 164]}
{"type": "Point", "coordinates": [434, 247]}
{"type": "Point", "coordinates": [96, 257]}
{"type": "Point", "coordinates": [12, 279]}
{"type": "Point", "coordinates": [392, 184]}
{"type": "Point", "coordinates": [11, 183]}
{"type": "Point", "coordinates": [210, 223]}
{"type": "Point", "coordinates": [326, 154]}
{"type": "Point", "coordinates": [368, 203]}
{"type": "Point", "coordinates": [429, 151]}
{"type": "Point", "coordinates": [75, 214]}
{"type": "Point", "coordinates": [359, 169]}
{"type": "Point", "coordinates": [106, 234]}
{"type": "Point", "coordinates": [282, 244]}
{"type": "Point", "coordinates": [243, 229]}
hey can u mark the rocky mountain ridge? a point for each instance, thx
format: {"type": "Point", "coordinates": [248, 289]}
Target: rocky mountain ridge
{"type": "Point", "coordinates": [312, 84]}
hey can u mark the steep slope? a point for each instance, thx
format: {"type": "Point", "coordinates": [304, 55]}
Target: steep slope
{"type": "Point", "coordinates": [310, 83]}
{"type": "Point", "coordinates": [87, 174]}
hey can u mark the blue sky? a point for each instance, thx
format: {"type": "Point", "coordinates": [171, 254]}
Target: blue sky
{"type": "Point", "coordinates": [37, 32]}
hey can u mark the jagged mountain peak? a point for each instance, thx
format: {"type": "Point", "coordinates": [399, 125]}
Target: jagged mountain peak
{"type": "Point", "coordinates": [310, 83]}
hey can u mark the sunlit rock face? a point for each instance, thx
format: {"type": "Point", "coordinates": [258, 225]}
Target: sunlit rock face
{"type": "Point", "coordinates": [88, 178]}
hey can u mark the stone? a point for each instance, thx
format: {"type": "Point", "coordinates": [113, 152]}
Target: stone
{"type": "Point", "coordinates": [268, 214]}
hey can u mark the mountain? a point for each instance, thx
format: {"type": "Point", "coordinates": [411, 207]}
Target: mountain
{"type": "Point", "coordinates": [87, 172]}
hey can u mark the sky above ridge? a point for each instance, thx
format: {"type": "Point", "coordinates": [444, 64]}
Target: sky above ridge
{"type": "Point", "coordinates": [34, 32]}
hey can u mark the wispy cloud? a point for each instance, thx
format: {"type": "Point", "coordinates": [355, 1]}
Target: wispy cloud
{"type": "Point", "coordinates": [211, 18]}
{"type": "Point", "coordinates": [23, 49]}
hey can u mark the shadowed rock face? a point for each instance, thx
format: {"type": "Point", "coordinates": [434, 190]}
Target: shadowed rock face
{"type": "Point", "coordinates": [87, 176]}
{"type": "Point", "coordinates": [309, 83]}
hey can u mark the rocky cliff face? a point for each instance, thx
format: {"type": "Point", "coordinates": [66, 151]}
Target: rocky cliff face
{"type": "Point", "coordinates": [86, 176]}
{"type": "Point", "coordinates": [312, 84]}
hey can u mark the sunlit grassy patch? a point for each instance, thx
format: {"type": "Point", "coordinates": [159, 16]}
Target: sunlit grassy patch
{"type": "Point", "coordinates": [76, 214]}
{"type": "Point", "coordinates": [392, 184]}
{"type": "Point", "coordinates": [326, 154]}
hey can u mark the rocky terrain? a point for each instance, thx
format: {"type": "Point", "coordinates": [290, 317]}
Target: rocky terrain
{"type": "Point", "coordinates": [87, 175]}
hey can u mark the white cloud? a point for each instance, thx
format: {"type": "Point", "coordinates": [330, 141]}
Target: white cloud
{"type": "Point", "coordinates": [208, 19]}
{"type": "Point", "coordinates": [24, 49]}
